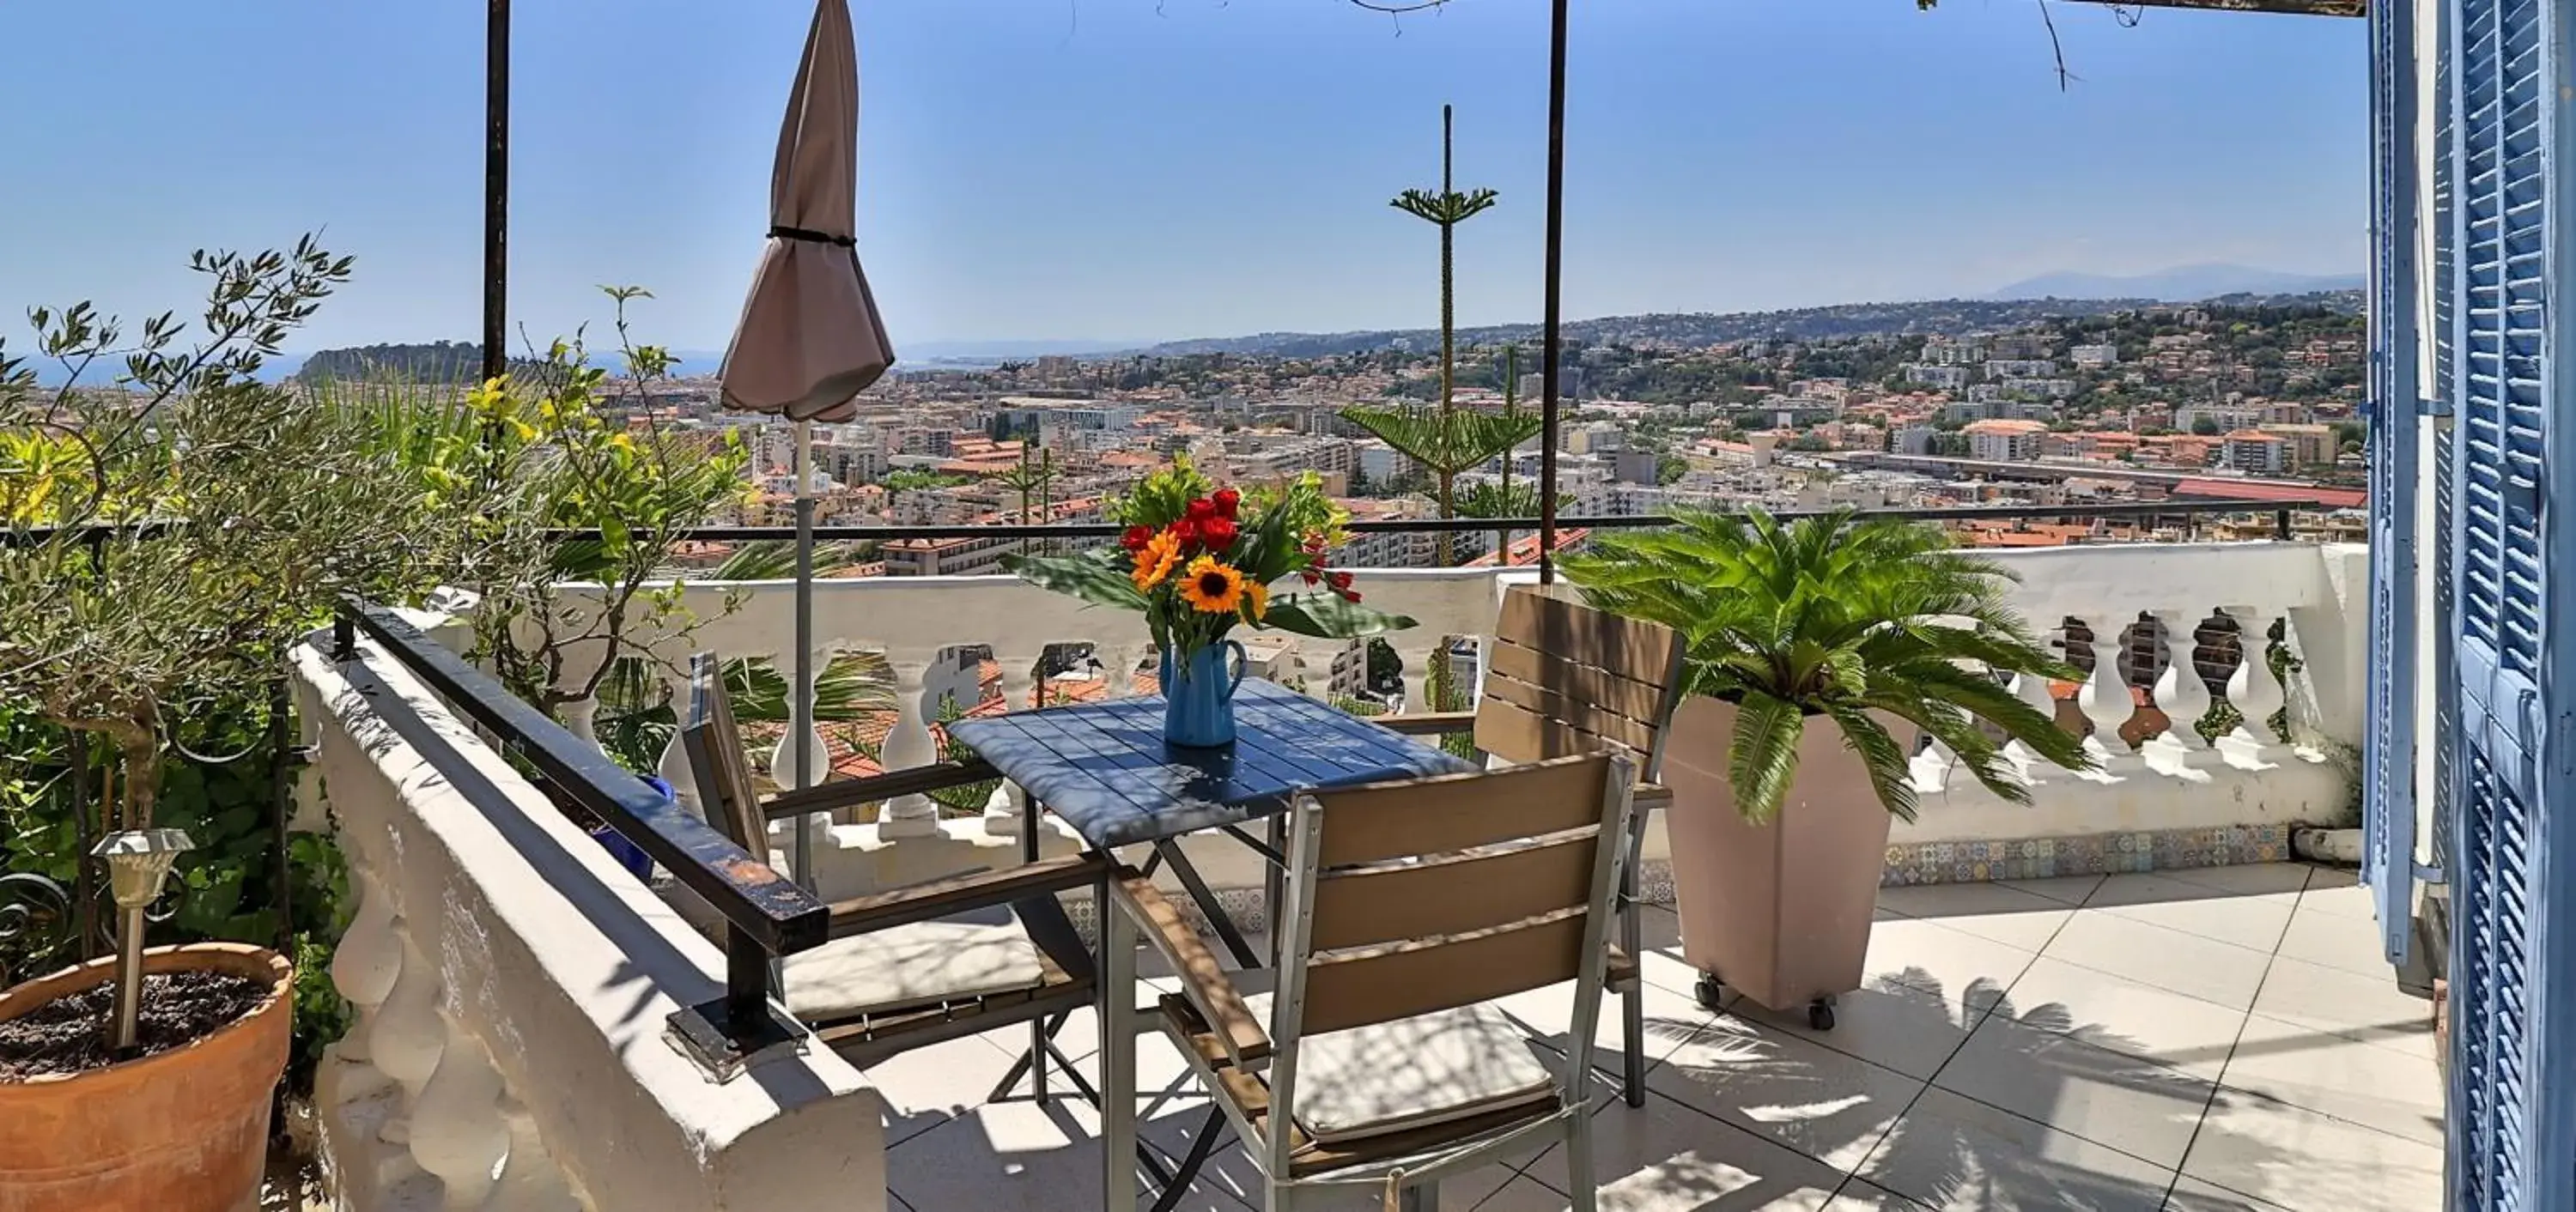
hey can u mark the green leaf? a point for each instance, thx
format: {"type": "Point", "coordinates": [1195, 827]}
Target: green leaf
{"type": "Point", "coordinates": [1089, 577]}
{"type": "Point", "coordinates": [1326, 616]}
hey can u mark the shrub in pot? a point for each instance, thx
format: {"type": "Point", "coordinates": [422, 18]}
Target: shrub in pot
{"type": "Point", "coordinates": [1819, 651]}
{"type": "Point", "coordinates": [168, 537]}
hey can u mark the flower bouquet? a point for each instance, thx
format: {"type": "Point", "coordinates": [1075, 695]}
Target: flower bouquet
{"type": "Point", "coordinates": [1198, 560]}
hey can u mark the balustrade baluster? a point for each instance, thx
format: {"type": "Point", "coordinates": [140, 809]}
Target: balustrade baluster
{"type": "Point", "coordinates": [457, 1131]}
{"type": "Point", "coordinates": [2180, 693]}
{"type": "Point", "coordinates": [2252, 688]}
{"type": "Point", "coordinates": [2033, 770]}
{"type": "Point", "coordinates": [408, 1034]}
{"type": "Point", "coordinates": [367, 960]}
{"type": "Point", "coordinates": [907, 746]}
{"type": "Point", "coordinates": [2107, 701]}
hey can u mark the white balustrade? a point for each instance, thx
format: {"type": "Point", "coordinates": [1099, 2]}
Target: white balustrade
{"type": "Point", "coordinates": [912, 620]}
{"type": "Point", "coordinates": [513, 986]}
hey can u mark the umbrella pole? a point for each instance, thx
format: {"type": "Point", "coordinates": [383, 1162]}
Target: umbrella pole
{"type": "Point", "coordinates": [801, 711]}
{"type": "Point", "coordinates": [1550, 365]}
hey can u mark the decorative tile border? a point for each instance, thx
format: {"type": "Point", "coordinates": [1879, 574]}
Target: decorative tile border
{"type": "Point", "coordinates": [2091, 854]}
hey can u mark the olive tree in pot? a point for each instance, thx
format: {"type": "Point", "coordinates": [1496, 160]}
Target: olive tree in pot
{"type": "Point", "coordinates": [167, 536]}
{"type": "Point", "coordinates": [1820, 651]}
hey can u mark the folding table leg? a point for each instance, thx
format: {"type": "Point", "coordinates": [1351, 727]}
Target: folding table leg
{"type": "Point", "coordinates": [1048, 1029]}
{"type": "Point", "coordinates": [1117, 1058]}
{"type": "Point", "coordinates": [1632, 1000]}
{"type": "Point", "coordinates": [1039, 1033]}
{"type": "Point", "coordinates": [1197, 1157]}
{"type": "Point", "coordinates": [1226, 931]}
{"type": "Point", "coordinates": [1274, 885]}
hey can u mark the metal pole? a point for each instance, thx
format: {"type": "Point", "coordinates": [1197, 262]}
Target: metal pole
{"type": "Point", "coordinates": [496, 190]}
{"type": "Point", "coordinates": [1552, 355]}
{"type": "Point", "coordinates": [800, 712]}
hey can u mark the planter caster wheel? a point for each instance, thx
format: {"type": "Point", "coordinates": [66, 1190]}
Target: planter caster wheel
{"type": "Point", "coordinates": [1820, 1014]}
{"type": "Point", "coordinates": [1710, 992]}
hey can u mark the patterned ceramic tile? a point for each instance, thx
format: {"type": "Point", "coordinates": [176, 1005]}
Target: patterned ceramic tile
{"type": "Point", "coordinates": [2095, 854]}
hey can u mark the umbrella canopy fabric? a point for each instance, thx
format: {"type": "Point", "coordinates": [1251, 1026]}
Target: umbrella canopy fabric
{"type": "Point", "coordinates": [810, 339]}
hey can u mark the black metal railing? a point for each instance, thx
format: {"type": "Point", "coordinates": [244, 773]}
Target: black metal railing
{"type": "Point", "coordinates": [2281, 512]}
{"type": "Point", "coordinates": [766, 914]}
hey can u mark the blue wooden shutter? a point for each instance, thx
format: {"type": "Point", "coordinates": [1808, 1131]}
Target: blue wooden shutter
{"type": "Point", "coordinates": [2388, 748]}
{"type": "Point", "coordinates": [2510, 1137]}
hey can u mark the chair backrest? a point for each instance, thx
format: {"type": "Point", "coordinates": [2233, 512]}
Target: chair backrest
{"type": "Point", "coordinates": [716, 762]}
{"type": "Point", "coordinates": [1411, 897]}
{"type": "Point", "coordinates": [1563, 677]}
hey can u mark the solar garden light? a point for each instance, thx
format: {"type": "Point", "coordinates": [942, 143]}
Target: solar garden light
{"type": "Point", "coordinates": [138, 863]}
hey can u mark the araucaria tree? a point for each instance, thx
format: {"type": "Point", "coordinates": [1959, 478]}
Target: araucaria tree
{"type": "Point", "coordinates": [1433, 438]}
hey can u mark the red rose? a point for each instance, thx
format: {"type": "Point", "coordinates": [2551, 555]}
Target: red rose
{"type": "Point", "coordinates": [1136, 538]}
{"type": "Point", "coordinates": [1311, 576]}
{"type": "Point", "coordinates": [1349, 595]}
{"type": "Point", "coordinates": [1217, 532]}
{"type": "Point", "coordinates": [1187, 532]}
{"type": "Point", "coordinates": [1227, 500]}
{"type": "Point", "coordinates": [1201, 510]}
{"type": "Point", "coordinates": [1341, 581]}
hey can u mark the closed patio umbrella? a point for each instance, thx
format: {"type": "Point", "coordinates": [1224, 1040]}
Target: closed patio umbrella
{"type": "Point", "coordinates": [810, 339]}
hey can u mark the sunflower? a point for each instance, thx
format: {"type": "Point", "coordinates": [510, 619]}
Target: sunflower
{"type": "Point", "coordinates": [1256, 600]}
{"type": "Point", "coordinates": [1156, 560]}
{"type": "Point", "coordinates": [1212, 588]}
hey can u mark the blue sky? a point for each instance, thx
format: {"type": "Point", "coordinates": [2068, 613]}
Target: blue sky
{"type": "Point", "coordinates": [1127, 169]}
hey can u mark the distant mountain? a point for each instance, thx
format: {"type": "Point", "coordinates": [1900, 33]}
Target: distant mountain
{"type": "Point", "coordinates": [418, 362]}
{"type": "Point", "coordinates": [994, 351]}
{"type": "Point", "coordinates": [1701, 328]}
{"type": "Point", "coordinates": [2183, 284]}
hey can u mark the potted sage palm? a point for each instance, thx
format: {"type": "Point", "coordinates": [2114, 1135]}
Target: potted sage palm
{"type": "Point", "coordinates": [1820, 652]}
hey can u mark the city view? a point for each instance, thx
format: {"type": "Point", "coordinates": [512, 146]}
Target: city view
{"type": "Point", "coordinates": [1470, 605]}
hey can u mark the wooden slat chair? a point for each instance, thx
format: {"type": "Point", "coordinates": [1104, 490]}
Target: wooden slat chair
{"type": "Point", "coordinates": [1563, 678]}
{"type": "Point", "coordinates": [1380, 1063]}
{"type": "Point", "coordinates": [917, 965]}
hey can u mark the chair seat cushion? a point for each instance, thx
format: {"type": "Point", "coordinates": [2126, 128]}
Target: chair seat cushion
{"type": "Point", "coordinates": [971, 955]}
{"type": "Point", "coordinates": [1416, 1072]}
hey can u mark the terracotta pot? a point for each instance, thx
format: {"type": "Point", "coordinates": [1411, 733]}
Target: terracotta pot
{"type": "Point", "coordinates": [181, 1131]}
{"type": "Point", "coordinates": [1779, 912]}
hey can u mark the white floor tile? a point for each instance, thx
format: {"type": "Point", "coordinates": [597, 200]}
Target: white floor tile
{"type": "Point", "coordinates": [1956, 966]}
{"type": "Point", "coordinates": [1959, 1155]}
{"type": "Point", "coordinates": [1859, 1196]}
{"type": "Point", "coordinates": [2251, 922]}
{"type": "Point", "coordinates": [2138, 1107]}
{"type": "Point", "coordinates": [2307, 1162]}
{"type": "Point", "coordinates": [2321, 936]}
{"type": "Point", "coordinates": [2192, 1195]}
{"type": "Point", "coordinates": [2023, 920]}
{"type": "Point", "coordinates": [927, 1087]}
{"type": "Point", "coordinates": [2395, 1091]}
{"type": "Point", "coordinates": [1913, 1031]}
{"type": "Point", "coordinates": [2167, 959]}
{"type": "Point", "coordinates": [2340, 892]}
{"type": "Point", "coordinates": [1013, 1156]}
{"type": "Point", "coordinates": [2067, 889]}
{"type": "Point", "coordinates": [1808, 1097]}
{"type": "Point", "coordinates": [1671, 1017]}
{"type": "Point", "coordinates": [1664, 1155]}
{"type": "Point", "coordinates": [2127, 1017]}
{"type": "Point", "coordinates": [2261, 879]}
{"type": "Point", "coordinates": [2369, 1008]}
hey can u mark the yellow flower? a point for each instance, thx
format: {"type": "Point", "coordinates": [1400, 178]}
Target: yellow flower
{"type": "Point", "coordinates": [1212, 588]}
{"type": "Point", "coordinates": [1156, 561]}
{"type": "Point", "coordinates": [1256, 598]}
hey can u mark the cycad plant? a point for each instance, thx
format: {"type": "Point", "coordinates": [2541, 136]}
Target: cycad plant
{"type": "Point", "coordinates": [1841, 619]}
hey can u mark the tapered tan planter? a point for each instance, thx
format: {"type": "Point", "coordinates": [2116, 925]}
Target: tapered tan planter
{"type": "Point", "coordinates": [1778, 912]}
{"type": "Point", "coordinates": [181, 1131]}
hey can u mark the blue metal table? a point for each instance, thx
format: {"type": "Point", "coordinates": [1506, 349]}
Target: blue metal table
{"type": "Point", "coordinates": [1106, 770]}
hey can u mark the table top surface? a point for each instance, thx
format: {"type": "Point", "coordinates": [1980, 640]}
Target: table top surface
{"type": "Point", "coordinates": [1106, 770]}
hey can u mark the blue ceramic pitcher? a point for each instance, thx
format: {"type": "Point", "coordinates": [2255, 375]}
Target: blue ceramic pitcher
{"type": "Point", "coordinates": [1198, 696]}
